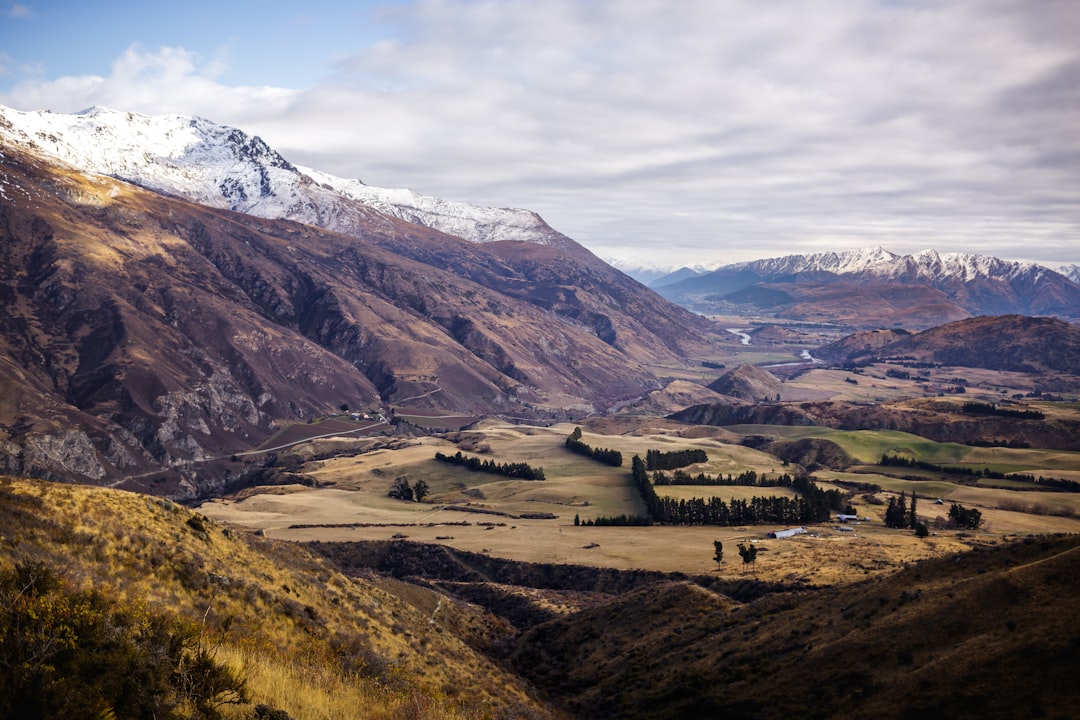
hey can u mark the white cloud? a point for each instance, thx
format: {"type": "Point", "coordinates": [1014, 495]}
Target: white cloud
{"type": "Point", "coordinates": [19, 11]}
{"type": "Point", "coordinates": [722, 130]}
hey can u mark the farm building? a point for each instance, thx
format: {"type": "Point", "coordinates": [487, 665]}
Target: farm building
{"type": "Point", "coordinates": [846, 518]}
{"type": "Point", "coordinates": [786, 533]}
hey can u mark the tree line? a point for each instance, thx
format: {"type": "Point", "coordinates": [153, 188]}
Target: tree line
{"type": "Point", "coordinates": [1050, 482]}
{"type": "Point", "coordinates": [748, 478]}
{"type": "Point", "coordinates": [811, 505]}
{"type": "Point", "coordinates": [660, 460]}
{"type": "Point", "coordinates": [900, 461]}
{"type": "Point", "coordinates": [981, 408]}
{"type": "Point", "coordinates": [517, 471]}
{"type": "Point", "coordinates": [575, 444]}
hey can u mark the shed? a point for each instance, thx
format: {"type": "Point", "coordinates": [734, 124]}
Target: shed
{"type": "Point", "coordinates": [786, 533]}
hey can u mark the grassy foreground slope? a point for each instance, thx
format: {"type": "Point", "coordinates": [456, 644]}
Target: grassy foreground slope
{"type": "Point", "coordinates": [303, 637]}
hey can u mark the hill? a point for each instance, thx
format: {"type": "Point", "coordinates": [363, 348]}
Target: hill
{"type": "Point", "coordinates": [989, 634]}
{"type": "Point", "coordinates": [1008, 342]}
{"type": "Point", "coordinates": [299, 635]}
{"type": "Point", "coordinates": [1016, 425]}
{"type": "Point", "coordinates": [747, 382]}
{"type": "Point", "coordinates": [146, 337]}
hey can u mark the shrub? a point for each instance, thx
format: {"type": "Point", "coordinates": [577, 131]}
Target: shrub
{"type": "Point", "coordinates": [68, 653]}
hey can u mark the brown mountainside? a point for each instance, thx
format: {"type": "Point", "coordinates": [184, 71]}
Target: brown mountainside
{"type": "Point", "coordinates": [1005, 342]}
{"type": "Point", "coordinates": [747, 382]}
{"type": "Point", "coordinates": [141, 333]}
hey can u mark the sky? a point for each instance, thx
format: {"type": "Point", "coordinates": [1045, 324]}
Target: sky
{"type": "Point", "coordinates": [654, 132]}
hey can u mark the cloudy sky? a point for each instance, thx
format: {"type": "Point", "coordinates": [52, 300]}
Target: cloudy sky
{"type": "Point", "coordinates": [665, 132]}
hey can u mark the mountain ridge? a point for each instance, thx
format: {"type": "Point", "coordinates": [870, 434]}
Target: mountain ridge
{"type": "Point", "coordinates": [224, 167]}
{"type": "Point", "coordinates": [939, 287]}
{"type": "Point", "coordinates": [143, 333]}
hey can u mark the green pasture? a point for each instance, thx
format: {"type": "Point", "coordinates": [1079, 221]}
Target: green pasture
{"type": "Point", "coordinates": [869, 445]}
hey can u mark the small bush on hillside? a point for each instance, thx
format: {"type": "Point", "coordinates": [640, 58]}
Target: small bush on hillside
{"type": "Point", "coordinates": [68, 653]}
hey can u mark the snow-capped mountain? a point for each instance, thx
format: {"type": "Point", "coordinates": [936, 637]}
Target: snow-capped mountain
{"type": "Point", "coordinates": [877, 261]}
{"type": "Point", "coordinates": [224, 167]}
{"type": "Point", "coordinates": [940, 287]}
{"type": "Point", "coordinates": [1070, 271]}
{"type": "Point", "coordinates": [146, 328]}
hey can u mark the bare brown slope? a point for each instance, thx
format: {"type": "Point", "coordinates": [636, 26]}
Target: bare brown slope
{"type": "Point", "coordinates": [990, 634]}
{"type": "Point", "coordinates": [747, 382]}
{"type": "Point", "coordinates": [141, 332]}
{"type": "Point", "coordinates": [1006, 342]}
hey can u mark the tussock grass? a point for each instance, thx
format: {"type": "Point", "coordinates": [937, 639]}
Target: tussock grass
{"type": "Point", "coordinates": [307, 638]}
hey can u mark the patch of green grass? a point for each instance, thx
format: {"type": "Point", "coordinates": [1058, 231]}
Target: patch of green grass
{"type": "Point", "coordinates": [925, 488]}
{"type": "Point", "coordinates": [866, 445]}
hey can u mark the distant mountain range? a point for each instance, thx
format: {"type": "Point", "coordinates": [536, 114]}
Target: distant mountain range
{"type": "Point", "coordinates": [173, 291]}
{"type": "Point", "coordinates": [874, 287]}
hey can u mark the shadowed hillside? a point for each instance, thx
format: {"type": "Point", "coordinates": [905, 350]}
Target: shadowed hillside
{"type": "Point", "coordinates": [991, 634]}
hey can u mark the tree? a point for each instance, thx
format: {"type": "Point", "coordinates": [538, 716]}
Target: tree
{"type": "Point", "coordinates": [896, 515]}
{"type": "Point", "coordinates": [921, 530]}
{"type": "Point", "coordinates": [718, 554]}
{"type": "Point", "coordinates": [420, 490]}
{"type": "Point", "coordinates": [965, 517]}
{"type": "Point", "coordinates": [400, 489]}
{"type": "Point", "coordinates": [913, 519]}
{"type": "Point", "coordinates": [748, 553]}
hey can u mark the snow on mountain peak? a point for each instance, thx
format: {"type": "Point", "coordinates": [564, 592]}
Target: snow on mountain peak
{"type": "Point", "coordinates": [928, 265]}
{"type": "Point", "coordinates": [471, 222]}
{"type": "Point", "coordinates": [849, 261]}
{"type": "Point", "coordinates": [224, 167]}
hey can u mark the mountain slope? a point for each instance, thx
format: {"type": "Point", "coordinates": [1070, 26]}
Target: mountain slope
{"type": "Point", "coordinates": [989, 634]}
{"type": "Point", "coordinates": [222, 167]}
{"type": "Point", "coordinates": [1008, 342]}
{"type": "Point", "coordinates": [141, 333]}
{"type": "Point", "coordinates": [874, 287]}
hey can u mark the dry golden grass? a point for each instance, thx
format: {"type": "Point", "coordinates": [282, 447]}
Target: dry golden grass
{"type": "Point", "coordinates": [577, 486]}
{"type": "Point", "coordinates": [293, 624]}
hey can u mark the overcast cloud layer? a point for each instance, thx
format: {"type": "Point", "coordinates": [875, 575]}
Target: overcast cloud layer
{"type": "Point", "coordinates": [674, 133]}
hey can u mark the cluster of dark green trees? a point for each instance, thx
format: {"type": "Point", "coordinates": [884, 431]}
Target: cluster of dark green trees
{"type": "Point", "coordinates": [617, 520]}
{"type": "Point", "coordinates": [811, 505]}
{"type": "Point", "coordinates": [748, 478]}
{"type": "Point", "coordinates": [1050, 482]}
{"type": "Point", "coordinates": [517, 471]}
{"type": "Point", "coordinates": [659, 460]}
{"type": "Point", "coordinates": [900, 461]}
{"type": "Point", "coordinates": [401, 490]}
{"type": "Point", "coordinates": [604, 455]}
{"type": "Point", "coordinates": [981, 408]}
{"type": "Point", "coordinates": [899, 515]}
{"type": "Point", "coordinates": [965, 517]}
{"type": "Point", "coordinates": [69, 653]}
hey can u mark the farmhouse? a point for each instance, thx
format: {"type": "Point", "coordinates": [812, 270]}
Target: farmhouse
{"type": "Point", "coordinates": [786, 533]}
